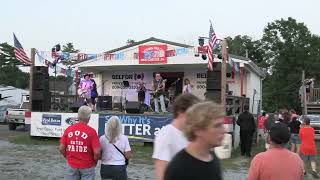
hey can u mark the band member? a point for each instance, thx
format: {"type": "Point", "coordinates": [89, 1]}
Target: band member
{"type": "Point", "coordinates": [159, 89]}
{"type": "Point", "coordinates": [85, 88]}
{"type": "Point", "coordinates": [309, 88]}
{"type": "Point", "coordinates": [94, 93]}
{"type": "Point", "coordinates": [141, 92]}
{"type": "Point", "coordinates": [187, 88]}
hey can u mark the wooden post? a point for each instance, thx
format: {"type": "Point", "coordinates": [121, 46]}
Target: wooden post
{"type": "Point", "coordinates": [33, 55]}
{"type": "Point", "coordinates": [223, 72]}
{"type": "Point", "coordinates": [304, 94]}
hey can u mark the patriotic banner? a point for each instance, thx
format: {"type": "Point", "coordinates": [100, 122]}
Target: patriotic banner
{"type": "Point", "coordinates": [158, 54]}
{"type": "Point", "coordinates": [45, 58]}
{"type": "Point", "coordinates": [152, 54]}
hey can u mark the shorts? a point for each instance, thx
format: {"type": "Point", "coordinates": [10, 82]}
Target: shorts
{"type": "Point", "coordinates": [118, 172]}
{"type": "Point", "coordinates": [294, 139]}
{"type": "Point", "coordinates": [85, 174]}
{"type": "Point", "coordinates": [308, 157]}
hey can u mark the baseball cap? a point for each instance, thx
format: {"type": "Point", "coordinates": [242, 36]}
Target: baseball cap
{"type": "Point", "coordinates": [279, 133]}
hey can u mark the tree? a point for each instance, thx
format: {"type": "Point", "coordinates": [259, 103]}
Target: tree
{"type": "Point", "coordinates": [69, 48]}
{"type": "Point", "coordinates": [13, 76]}
{"type": "Point", "coordinates": [130, 41]}
{"type": "Point", "coordinates": [241, 45]}
{"type": "Point", "coordinates": [289, 48]}
{"type": "Point", "coordinates": [10, 74]}
{"type": "Point", "coordinates": [7, 56]}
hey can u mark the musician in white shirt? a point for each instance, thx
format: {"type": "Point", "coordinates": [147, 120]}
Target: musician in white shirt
{"type": "Point", "coordinates": [187, 88]}
{"type": "Point", "coordinates": [159, 90]}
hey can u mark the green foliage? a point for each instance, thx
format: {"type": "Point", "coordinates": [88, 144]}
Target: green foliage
{"type": "Point", "coordinates": [130, 41]}
{"type": "Point", "coordinates": [69, 48]}
{"type": "Point", "coordinates": [289, 48]}
{"type": "Point", "coordinates": [286, 48]}
{"type": "Point", "coordinates": [10, 74]}
{"type": "Point", "coordinates": [7, 57]}
{"type": "Point", "coordinates": [241, 45]}
{"type": "Point", "coordinates": [13, 76]}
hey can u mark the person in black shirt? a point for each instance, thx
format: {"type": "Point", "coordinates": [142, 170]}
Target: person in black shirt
{"type": "Point", "coordinates": [247, 127]}
{"type": "Point", "coordinates": [94, 92]}
{"type": "Point", "coordinates": [205, 130]}
{"type": "Point", "coordinates": [294, 127]}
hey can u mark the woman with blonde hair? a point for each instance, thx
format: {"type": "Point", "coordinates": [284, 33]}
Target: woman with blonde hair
{"type": "Point", "coordinates": [116, 151]}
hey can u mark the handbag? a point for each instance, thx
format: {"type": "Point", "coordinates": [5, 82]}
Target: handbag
{"type": "Point", "coordinates": [126, 160]}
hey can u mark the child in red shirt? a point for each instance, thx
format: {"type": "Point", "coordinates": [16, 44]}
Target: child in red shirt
{"type": "Point", "coordinates": [308, 150]}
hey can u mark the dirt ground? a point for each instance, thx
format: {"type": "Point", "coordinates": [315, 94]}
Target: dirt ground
{"type": "Point", "coordinates": [44, 161]}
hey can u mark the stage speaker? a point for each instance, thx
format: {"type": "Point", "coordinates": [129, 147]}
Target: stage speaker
{"type": "Point", "coordinates": [213, 80]}
{"type": "Point", "coordinates": [40, 82]}
{"type": "Point", "coordinates": [41, 99]}
{"type": "Point", "coordinates": [105, 102]}
{"type": "Point", "coordinates": [40, 70]}
{"type": "Point", "coordinates": [214, 95]}
{"type": "Point", "coordinates": [76, 105]}
{"type": "Point", "coordinates": [40, 106]}
{"type": "Point", "coordinates": [133, 107]}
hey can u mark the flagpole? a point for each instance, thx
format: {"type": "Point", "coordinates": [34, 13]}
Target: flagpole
{"type": "Point", "coordinates": [33, 55]}
{"type": "Point", "coordinates": [223, 72]}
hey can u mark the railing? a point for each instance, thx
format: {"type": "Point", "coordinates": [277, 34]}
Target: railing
{"type": "Point", "coordinates": [314, 95]}
{"type": "Point", "coordinates": [63, 102]}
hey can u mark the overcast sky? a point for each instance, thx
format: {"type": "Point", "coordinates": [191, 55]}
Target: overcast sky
{"type": "Point", "coordinates": [98, 25]}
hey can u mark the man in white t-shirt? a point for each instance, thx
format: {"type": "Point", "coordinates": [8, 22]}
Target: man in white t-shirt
{"type": "Point", "coordinates": [170, 139]}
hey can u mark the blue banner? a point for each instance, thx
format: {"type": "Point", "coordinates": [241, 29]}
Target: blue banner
{"type": "Point", "coordinates": [137, 127]}
{"type": "Point", "coordinates": [51, 119]}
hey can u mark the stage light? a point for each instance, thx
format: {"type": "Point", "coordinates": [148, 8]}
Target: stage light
{"type": "Point", "coordinates": [204, 57]}
{"type": "Point", "coordinates": [58, 47]}
{"type": "Point", "coordinates": [201, 41]}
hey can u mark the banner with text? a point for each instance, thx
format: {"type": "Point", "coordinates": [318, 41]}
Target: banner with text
{"type": "Point", "coordinates": [137, 127]}
{"type": "Point", "coordinates": [47, 124]}
{"type": "Point", "coordinates": [152, 54]}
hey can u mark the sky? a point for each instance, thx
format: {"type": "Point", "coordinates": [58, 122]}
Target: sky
{"type": "Point", "coordinates": [95, 26]}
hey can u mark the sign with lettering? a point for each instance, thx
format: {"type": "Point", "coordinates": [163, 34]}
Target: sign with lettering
{"type": "Point", "coordinates": [51, 119]}
{"type": "Point", "coordinates": [46, 124]}
{"type": "Point", "coordinates": [138, 127]}
{"type": "Point", "coordinates": [152, 54]}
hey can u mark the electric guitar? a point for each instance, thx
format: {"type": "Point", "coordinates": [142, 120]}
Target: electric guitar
{"type": "Point", "coordinates": [83, 93]}
{"type": "Point", "coordinates": [159, 91]}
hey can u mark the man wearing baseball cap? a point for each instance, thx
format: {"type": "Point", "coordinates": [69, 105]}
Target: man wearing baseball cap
{"type": "Point", "coordinates": [277, 162]}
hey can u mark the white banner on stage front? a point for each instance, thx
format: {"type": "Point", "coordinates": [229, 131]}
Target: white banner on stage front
{"type": "Point", "coordinates": [48, 124]}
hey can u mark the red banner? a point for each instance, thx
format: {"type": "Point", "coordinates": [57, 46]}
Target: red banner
{"type": "Point", "coordinates": [152, 54]}
{"type": "Point", "coordinates": [203, 49]}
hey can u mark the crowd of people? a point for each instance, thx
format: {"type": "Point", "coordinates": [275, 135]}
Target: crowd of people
{"type": "Point", "coordinates": [184, 148]}
{"type": "Point", "coordinates": [279, 131]}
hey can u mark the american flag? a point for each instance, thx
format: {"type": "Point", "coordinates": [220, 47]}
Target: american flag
{"type": "Point", "coordinates": [212, 41]}
{"type": "Point", "coordinates": [19, 52]}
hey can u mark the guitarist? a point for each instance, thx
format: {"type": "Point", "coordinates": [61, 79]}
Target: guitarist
{"type": "Point", "coordinates": [159, 89]}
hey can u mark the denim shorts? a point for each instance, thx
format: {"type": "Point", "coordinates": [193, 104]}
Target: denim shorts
{"type": "Point", "coordinates": [83, 174]}
{"type": "Point", "coordinates": [294, 139]}
{"type": "Point", "coordinates": [308, 157]}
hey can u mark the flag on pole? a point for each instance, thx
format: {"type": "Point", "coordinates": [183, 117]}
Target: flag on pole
{"type": "Point", "coordinates": [19, 52]}
{"type": "Point", "coordinates": [212, 41]}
